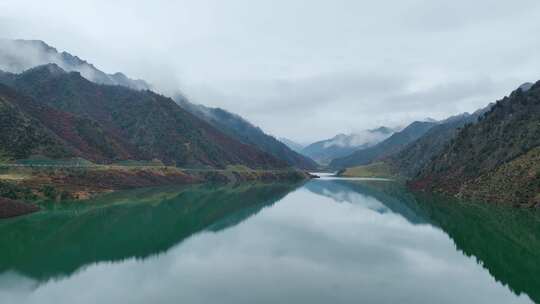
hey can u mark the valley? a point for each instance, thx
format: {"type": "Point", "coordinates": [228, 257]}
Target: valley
{"type": "Point", "coordinates": [269, 152]}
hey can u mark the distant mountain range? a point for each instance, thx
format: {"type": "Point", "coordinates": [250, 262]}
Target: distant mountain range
{"type": "Point", "coordinates": [393, 144]}
{"type": "Point", "coordinates": [242, 130]}
{"type": "Point", "coordinates": [105, 123]}
{"type": "Point", "coordinates": [343, 145]}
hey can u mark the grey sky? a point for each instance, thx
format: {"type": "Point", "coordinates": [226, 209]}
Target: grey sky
{"type": "Point", "coordinates": [302, 69]}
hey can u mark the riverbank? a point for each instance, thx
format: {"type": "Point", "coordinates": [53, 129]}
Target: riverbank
{"type": "Point", "coordinates": [34, 185]}
{"type": "Point", "coordinates": [12, 208]}
{"type": "Point", "coordinates": [510, 185]}
{"type": "Point", "coordinates": [375, 170]}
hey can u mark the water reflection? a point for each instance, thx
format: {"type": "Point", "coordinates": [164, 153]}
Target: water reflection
{"type": "Point", "coordinates": [123, 225]}
{"type": "Point", "coordinates": [504, 240]}
{"type": "Point", "coordinates": [330, 241]}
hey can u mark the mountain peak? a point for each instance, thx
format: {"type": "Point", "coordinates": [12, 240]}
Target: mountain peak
{"type": "Point", "coordinates": [344, 144]}
{"type": "Point", "coordinates": [526, 86]}
{"type": "Point", "coordinates": [382, 129]}
{"type": "Point", "coordinates": [20, 55]}
{"type": "Point", "coordinates": [428, 119]}
{"type": "Point", "coordinates": [50, 68]}
{"type": "Point", "coordinates": [34, 43]}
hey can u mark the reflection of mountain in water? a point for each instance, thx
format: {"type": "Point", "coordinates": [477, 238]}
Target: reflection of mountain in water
{"type": "Point", "coordinates": [356, 192]}
{"type": "Point", "coordinates": [504, 240]}
{"type": "Point", "coordinates": [123, 225]}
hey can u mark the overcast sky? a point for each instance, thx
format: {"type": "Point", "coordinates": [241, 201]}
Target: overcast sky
{"type": "Point", "coordinates": [302, 69]}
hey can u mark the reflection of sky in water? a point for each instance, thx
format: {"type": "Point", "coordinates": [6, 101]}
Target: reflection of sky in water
{"type": "Point", "coordinates": [356, 198]}
{"type": "Point", "coordinates": [304, 249]}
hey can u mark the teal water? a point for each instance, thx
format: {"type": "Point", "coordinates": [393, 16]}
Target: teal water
{"type": "Point", "coordinates": [326, 241]}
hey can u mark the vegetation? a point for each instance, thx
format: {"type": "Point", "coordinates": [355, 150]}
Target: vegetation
{"type": "Point", "coordinates": [22, 135]}
{"type": "Point", "coordinates": [378, 169]}
{"type": "Point", "coordinates": [414, 157]}
{"type": "Point", "coordinates": [39, 183]}
{"type": "Point", "coordinates": [243, 131]}
{"type": "Point", "coordinates": [14, 191]}
{"type": "Point", "coordinates": [495, 159]}
{"type": "Point", "coordinates": [75, 117]}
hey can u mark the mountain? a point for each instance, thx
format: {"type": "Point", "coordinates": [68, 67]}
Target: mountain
{"type": "Point", "coordinates": [142, 125]}
{"type": "Point", "coordinates": [495, 159]}
{"type": "Point", "coordinates": [395, 143]}
{"type": "Point", "coordinates": [22, 135]}
{"type": "Point", "coordinates": [526, 86]}
{"type": "Point", "coordinates": [416, 155]}
{"type": "Point", "coordinates": [17, 56]}
{"type": "Point", "coordinates": [31, 128]}
{"type": "Point", "coordinates": [295, 146]}
{"type": "Point", "coordinates": [245, 132]}
{"type": "Point", "coordinates": [343, 145]}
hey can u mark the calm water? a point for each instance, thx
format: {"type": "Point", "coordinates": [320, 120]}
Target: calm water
{"type": "Point", "coordinates": [327, 241]}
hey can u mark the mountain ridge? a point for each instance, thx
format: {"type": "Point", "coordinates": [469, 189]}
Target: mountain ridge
{"type": "Point", "coordinates": [494, 159]}
{"type": "Point", "coordinates": [19, 55]}
{"type": "Point", "coordinates": [151, 123]}
{"type": "Point", "coordinates": [409, 161]}
{"type": "Point", "coordinates": [239, 128]}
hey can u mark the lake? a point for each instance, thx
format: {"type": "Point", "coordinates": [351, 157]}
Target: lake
{"type": "Point", "coordinates": [324, 241]}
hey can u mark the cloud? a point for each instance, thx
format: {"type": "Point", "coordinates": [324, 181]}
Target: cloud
{"type": "Point", "coordinates": [302, 69]}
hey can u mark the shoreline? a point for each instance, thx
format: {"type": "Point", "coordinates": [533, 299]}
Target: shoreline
{"type": "Point", "coordinates": [31, 186]}
{"type": "Point", "coordinates": [12, 208]}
